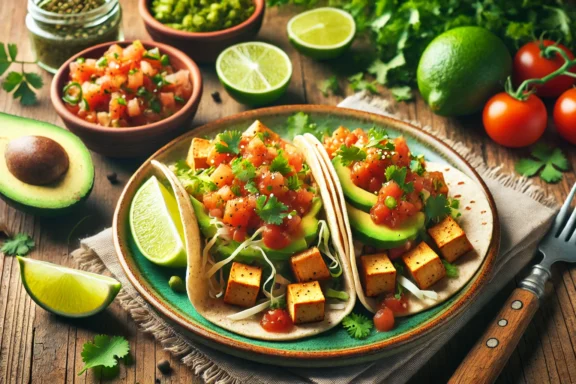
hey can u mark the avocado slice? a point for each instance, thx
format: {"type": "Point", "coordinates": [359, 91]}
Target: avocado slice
{"type": "Point", "coordinates": [57, 197]}
{"type": "Point", "coordinates": [309, 225]}
{"type": "Point", "coordinates": [381, 236]}
{"type": "Point", "coordinates": [355, 195]}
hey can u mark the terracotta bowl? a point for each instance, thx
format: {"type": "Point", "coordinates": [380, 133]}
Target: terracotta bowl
{"type": "Point", "coordinates": [130, 141]}
{"type": "Point", "coordinates": [204, 47]}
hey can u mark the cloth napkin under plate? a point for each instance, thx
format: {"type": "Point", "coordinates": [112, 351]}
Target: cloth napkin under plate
{"type": "Point", "coordinates": [519, 238]}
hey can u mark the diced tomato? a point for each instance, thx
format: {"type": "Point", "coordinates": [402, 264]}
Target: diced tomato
{"type": "Point", "coordinates": [256, 151]}
{"type": "Point", "coordinates": [238, 212]}
{"type": "Point", "coordinates": [222, 175]}
{"type": "Point", "coordinates": [272, 183]}
{"type": "Point", "coordinates": [135, 79]}
{"type": "Point", "coordinates": [114, 52]}
{"type": "Point", "coordinates": [134, 108]}
{"type": "Point", "coordinates": [276, 320]}
{"type": "Point", "coordinates": [384, 320]}
{"type": "Point", "coordinates": [134, 51]}
{"type": "Point", "coordinates": [81, 72]}
{"type": "Point", "coordinates": [239, 234]}
{"type": "Point", "coordinates": [212, 200]}
{"type": "Point", "coordinates": [147, 68]}
{"type": "Point", "coordinates": [397, 305]}
{"type": "Point", "coordinates": [295, 157]}
{"type": "Point", "coordinates": [117, 110]}
{"type": "Point", "coordinates": [226, 193]}
{"type": "Point", "coordinates": [293, 225]}
{"type": "Point", "coordinates": [275, 237]}
{"type": "Point", "coordinates": [401, 155]}
{"type": "Point", "coordinates": [167, 100]}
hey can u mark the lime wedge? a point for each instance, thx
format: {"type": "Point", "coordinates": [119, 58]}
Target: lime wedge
{"type": "Point", "coordinates": [254, 73]}
{"type": "Point", "coordinates": [156, 226]}
{"type": "Point", "coordinates": [322, 33]}
{"type": "Point", "coordinates": [65, 291]}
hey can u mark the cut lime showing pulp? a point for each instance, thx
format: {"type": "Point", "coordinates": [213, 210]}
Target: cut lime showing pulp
{"type": "Point", "coordinates": [65, 291]}
{"type": "Point", "coordinates": [322, 33]}
{"type": "Point", "coordinates": [254, 73]}
{"type": "Point", "coordinates": [156, 226]}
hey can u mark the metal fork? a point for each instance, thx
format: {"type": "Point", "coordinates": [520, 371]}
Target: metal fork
{"type": "Point", "coordinates": [490, 354]}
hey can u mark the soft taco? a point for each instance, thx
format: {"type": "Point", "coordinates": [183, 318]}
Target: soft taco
{"type": "Point", "coordinates": [266, 258]}
{"type": "Point", "coordinates": [416, 231]}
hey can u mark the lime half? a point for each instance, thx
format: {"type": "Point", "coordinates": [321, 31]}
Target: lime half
{"type": "Point", "coordinates": [156, 226]}
{"type": "Point", "coordinates": [65, 291]}
{"type": "Point", "coordinates": [322, 33]}
{"type": "Point", "coordinates": [254, 73]}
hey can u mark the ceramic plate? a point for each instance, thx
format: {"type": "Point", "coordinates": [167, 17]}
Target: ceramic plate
{"type": "Point", "coordinates": [334, 346]}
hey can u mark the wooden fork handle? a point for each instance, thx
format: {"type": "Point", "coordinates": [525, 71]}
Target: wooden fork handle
{"type": "Point", "coordinates": [490, 354]}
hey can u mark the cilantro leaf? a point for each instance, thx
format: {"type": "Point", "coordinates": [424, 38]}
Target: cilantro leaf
{"type": "Point", "coordinates": [330, 85]}
{"type": "Point", "coordinates": [280, 164]}
{"type": "Point", "coordinates": [4, 63]}
{"type": "Point", "coordinates": [293, 183]}
{"type": "Point", "coordinates": [357, 326]}
{"type": "Point", "coordinates": [20, 245]}
{"type": "Point", "coordinates": [437, 208]}
{"type": "Point", "coordinates": [104, 351]}
{"type": "Point", "coordinates": [12, 81]}
{"type": "Point", "coordinates": [403, 93]}
{"type": "Point", "coordinates": [398, 175]}
{"type": "Point", "coordinates": [350, 154]}
{"type": "Point", "coordinates": [452, 270]}
{"type": "Point", "coordinates": [251, 187]}
{"type": "Point", "coordinates": [25, 94]}
{"type": "Point", "coordinates": [231, 139]}
{"type": "Point", "coordinates": [417, 165]}
{"type": "Point", "coordinates": [376, 135]}
{"type": "Point", "coordinates": [550, 160]}
{"type": "Point", "coordinates": [12, 51]}
{"type": "Point", "coordinates": [34, 80]}
{"type": "Point", "coordinates": [357, 83]}
{"type": "Point", "coordinates": [271, 210]}
{"type": "Point", "coordinates": [243, 169]}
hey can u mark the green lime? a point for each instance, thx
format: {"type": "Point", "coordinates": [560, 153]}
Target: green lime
{"type": "Point", "coordinates": [461, 69]}
{"type": "Point", "coordinates": [254, 73]}
{"type": "Point", "coordinates": [156, 226]}
{"type": "Point", "coordinates": [322, 33]}
{"type": "Point", "coordinates": [65, 291]}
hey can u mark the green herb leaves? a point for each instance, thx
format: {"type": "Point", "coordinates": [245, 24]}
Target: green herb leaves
{"type": "Point", "coordinates": [398, 175]}
{"type": "Point", "coordinates": [357, 326]}
{"type": "Point", "coordinates": [293, 183]}
{"type": "Point", "coordinates": [451, 269]}
{"type": "Point", "coordinates": [229, 142]}
{"type": "Point", "coordinates": [280, 164]}
{"type": "Point", "coordinates": [22, 82]}
{"type": "Point", "coordinates": [20, 245]}
{"type": "Point", "coordinates": [357, 83]}
{"type": "Point", "coordinates": [104, 352]}
{"type": "Point", "coordinates": [330, 85]}
{"type": "Point", "coordinates": [351, 154]}
{"type": "Point", "coordinates": [551, 162]}
{"type": "Point", "coordinates": [437, 208]}
{"type": "Point", "coordinates": [243, 169]}
{"type": "Point", "coordinates": [271, 210]}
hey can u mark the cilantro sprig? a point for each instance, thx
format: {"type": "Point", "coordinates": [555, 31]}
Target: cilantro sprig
{"type": "Point", "coordinates": [398, 175]}
{"type": "Point", "coordinates": [330, 85]}
{"type": "Point", "coordinates": [452, 270]}
{"type": "Point", "coordinates": [21, 81]}
{"type": "Point", "coordinates": [357, 83]}
{"type": "Point", "coordinates": [229, 142]}
{"type": "Point", "coordinates": [243, 169]}
{"type": "Point", "coordinates": [21, 244]}
{"type": "Point", "coordinates": [348, 155]}
{"type": "Point", "coordinates": [104, 352]}
{"type": "Point", "coordinates": [271, 210]}
{"type": "Point", "coordinates": [280, 164]}
{"type": "Point", "coordinates": [437, 208]}
{"type": "Point", "coordinates": [357, 326]}
{"type": "Point", "coordinates": [293, 183]}
{"type": "Point", "coordinates": [548, 162]}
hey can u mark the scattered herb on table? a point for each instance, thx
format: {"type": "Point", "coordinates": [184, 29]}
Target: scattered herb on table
{"type": "Point", "coordinates": [104, 352]}
{"type": "Point", "coordinates": [329, 86]}
{"type": "Point", "coordinates": [20, 245]}
{"type": "Point", "coordinates": [357, 326]}
{"type": "Point", "coordinates": [357, 83]}
{"type": "Point", "coordinates": [451, 270]}
{"type": "Point", "coordinates": [21, 81]}
{"type": "Point", "coordinates": [548, 162]}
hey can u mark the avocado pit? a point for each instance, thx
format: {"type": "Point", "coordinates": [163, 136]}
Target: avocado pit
{"type": "Point", "coordinates": [36, 160]}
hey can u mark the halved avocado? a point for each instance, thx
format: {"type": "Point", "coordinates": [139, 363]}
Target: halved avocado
{"type": "Point", "coordinates": [309, 226]}
{"type": "Point", "coordinates": [380, 236]}
{"type": "Point", "coordinates": [356, 196]}
{"type": "Point", "coordinates": [63, 187]}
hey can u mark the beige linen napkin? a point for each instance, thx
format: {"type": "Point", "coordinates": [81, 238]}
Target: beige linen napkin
{"type": "Point", "coordinates": [518, 241]}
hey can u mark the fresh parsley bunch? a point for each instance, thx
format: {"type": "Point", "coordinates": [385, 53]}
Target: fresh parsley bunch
{"type": "Point", "coordinates": [23, 82]}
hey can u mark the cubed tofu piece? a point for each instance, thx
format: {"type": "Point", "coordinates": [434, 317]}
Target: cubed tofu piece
{"type": "Point", "coordinates": [309, 266]}
{"type": "Point", "coordinates": [257, 127]}
{"type": "Point", "coordinates": [424, 265]}
{"type": "Point", "coordinates": [378, 274]}
{"type": "Point", "coordinates": [198, 153]}
{"type": "Point", "coordinates": [243, 285]}
{"type": "Point", "coordinates": [450, 239]}
{"type": "Point", "coordinates": [305, 302]}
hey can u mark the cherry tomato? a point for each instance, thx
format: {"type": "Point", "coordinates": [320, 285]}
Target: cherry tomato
{"type": "Point", "coordinates": [529, 63]}
{"type": "Point", "coordinates": [398, 306]}
{"type": "Point", "coordinates": [276, 320]}
{"type": "Point", "coordinates": [384, 319]}
{"type": "Point", "coordinates": [514, 123]}
{"type": "Point", "coordinates": [275, 237]}
{"type": "Point", "coordinates": [565, 115]}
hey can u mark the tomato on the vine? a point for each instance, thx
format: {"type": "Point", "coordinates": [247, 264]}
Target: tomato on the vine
{"type": "Point", "coordinates": [514, 123]}
{"type": "Point", "coordinates": [530, 63]}
{"type": "Point", "coordinates": [565, 115]}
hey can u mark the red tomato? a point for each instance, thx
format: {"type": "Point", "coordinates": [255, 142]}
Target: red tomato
{"type": "Point", "coordinates": [530, 64]}
{"type": "Point", "coordinates": [514, 123]}
{"type": "Point", "coordinates": [384, 319]}
{"type": "Point", "coordinates": [275, 237]}
{"type": "Point", "coordinates": [565, 115]}
{"type": "Point", "coordinates": [276, 320]}
{"type": "Point", "coordinates": [397, 306]}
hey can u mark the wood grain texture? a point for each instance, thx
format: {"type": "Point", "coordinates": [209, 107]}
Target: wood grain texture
{"type": "Point", "coordinates": [37, 347]}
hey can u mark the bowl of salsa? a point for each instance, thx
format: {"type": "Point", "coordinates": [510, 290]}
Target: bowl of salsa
{"type": "Point", "coordinates": [126, 99]}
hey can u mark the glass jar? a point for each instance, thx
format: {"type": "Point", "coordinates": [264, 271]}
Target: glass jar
{"type": "Point", "coordinates": [56, 37]}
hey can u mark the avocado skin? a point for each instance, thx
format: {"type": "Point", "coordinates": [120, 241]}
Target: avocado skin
{"type": "Point", "coordinates": [380, 236]}
{"type": "Point", "coordinates": [355, 195]}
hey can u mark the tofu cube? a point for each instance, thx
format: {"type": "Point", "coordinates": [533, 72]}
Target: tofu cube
{"type": "Point", "coordinates": [424, 265]}
{"type": "Point", "coordinates": [243, 285]}
{"type": "Point", "coordinates": [378, 274]}
{"type": "Point", "coordinates": [305, 302]}
{"type": "Point", "coordinates": [450, 239]}
{"type": "Point", "coordinates": [257, 127]}
{"type": "Point", "coordinates": [309, 266]}
{"type": "Point", "coordinates": [198, 153]}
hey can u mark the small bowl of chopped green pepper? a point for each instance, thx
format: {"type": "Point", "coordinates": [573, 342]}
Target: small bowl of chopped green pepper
{"type": "Point", "coordinates": [204, 28]}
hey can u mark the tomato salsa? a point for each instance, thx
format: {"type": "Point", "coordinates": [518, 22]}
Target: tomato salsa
{"type": "Point", "coordinates": [257, 180]}
{"type": "Point", "coordinates": [385, 167]}
{"type": "Point", "coordinates": [126, 87]}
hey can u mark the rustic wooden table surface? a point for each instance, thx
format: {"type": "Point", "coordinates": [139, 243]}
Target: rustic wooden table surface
{"type": "Point", "coordinates": [38, 347]}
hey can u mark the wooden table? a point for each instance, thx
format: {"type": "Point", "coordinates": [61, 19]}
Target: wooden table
{"type": "Point", "coordinates": [38, 347]}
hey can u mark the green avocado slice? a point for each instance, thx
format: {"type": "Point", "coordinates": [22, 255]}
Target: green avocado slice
{"type": "Point", "coordinates": [380, 236]}
{"type": "Point", "coordinates": [50, 199]}
{"type": "Point", "coordinates": [356, 196]}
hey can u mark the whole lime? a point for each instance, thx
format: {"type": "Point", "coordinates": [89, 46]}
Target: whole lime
{"type": "Point", "coordinates": [461, 68]}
